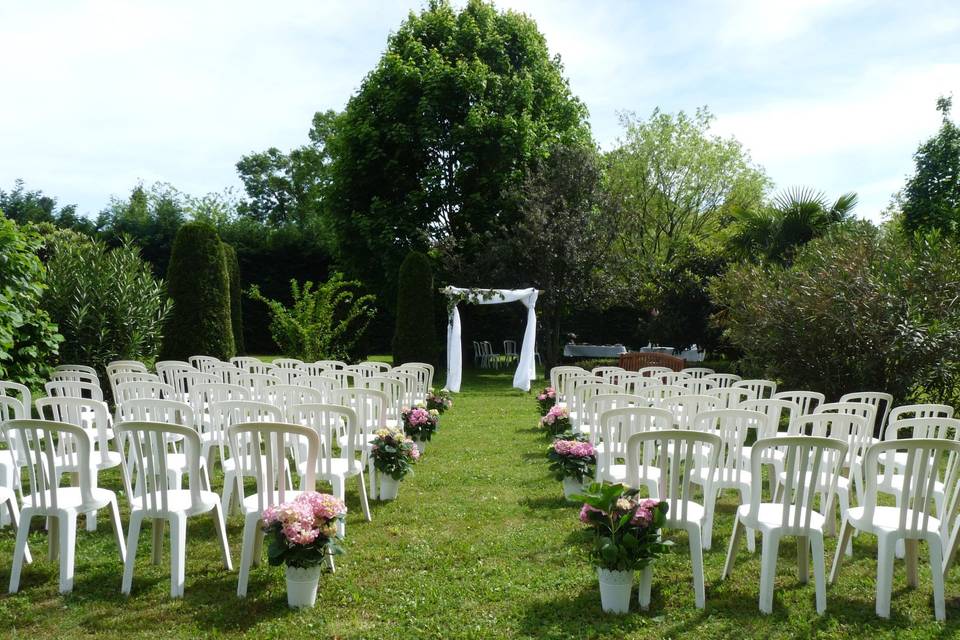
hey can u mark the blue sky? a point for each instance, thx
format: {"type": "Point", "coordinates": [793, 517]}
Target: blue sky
{"type": "Point", "coordinates": [835, 94]}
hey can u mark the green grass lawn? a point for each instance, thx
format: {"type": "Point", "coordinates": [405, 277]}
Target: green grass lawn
{"type": "Point", "coordinates": [480, 544]}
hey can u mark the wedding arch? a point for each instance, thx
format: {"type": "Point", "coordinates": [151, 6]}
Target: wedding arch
{"type": "Point", "coordinates": [526, 368]}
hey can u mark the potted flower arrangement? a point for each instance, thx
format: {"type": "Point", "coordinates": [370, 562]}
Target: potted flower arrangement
{"type": "Point", "coordinates": [626, 538]}
{"type": "Point", "coordinates": [420, 424]}
{"type": "Point", "coordinates": [556, 421]}
{"type": "Point", "coordinates": [303, 535]}
{"type": "Point", "coordinates": [546, 399]}
{"type": "Point", "coordinates": [572, 461]}
{"type": "Point", "coordinates": [394, 455]}
{"type": "Point", "coordinates": [439, 401]}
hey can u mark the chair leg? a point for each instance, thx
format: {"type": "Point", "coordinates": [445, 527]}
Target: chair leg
{"type": "Point", "coordinates": [732, 549]}
{"type": "Point", "coordinates": [373, 478]}
{"type": "Point", "coordinates": [885, 550]}
{"type": "Point", "coordinates": [20, 549]}
{"type": "Point", "coordinates": [133, 537]}
{"type": "Point", "coordinates": [257, 545]}
{"type": "Point", "coordinates": [803, 559]}
{"type": "Point", "coordinates": [246, 555]}
{"type": "Point", "coordinates": [53, 538]}
{"type": "Point", "coordinates": [768, 570]}
{"type": "Point", "coordinates": [845, 532]}
{"type": "Point", "coordinates": [157, 556]}
{"type": "Point", "coordinates": [911, 553]}
{"type": "Point", "coordinates": [819, 571]}
{"type": "Point", "coordinates": [178, 554]}
{"type": "Point", "coordinates": [363, 497]}
{"type": "Point", "coordinates": [226, 498]}
{"type": "Point", "coordinates": [646, 582]}
{"type": "Point", "coordinates": [91, 518]}
{"type": "Point", "coordinates": [68, 548]}
{"type": "Point", "coordinates": [696, 560]}
{"type": "Point", "coordinates": [221, 528]}
{"type": "Point", "coordinates": [936, 560]}
{"type": "Point", "coordinates": [708, 519]}
{"type": "Point", "coordinates": [14, 515]}
{"type": "Point", "coordinates": [339, 491]}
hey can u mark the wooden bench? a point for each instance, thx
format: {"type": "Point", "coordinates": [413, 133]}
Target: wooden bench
{"type": "Point", "coordinates": [636, 360]}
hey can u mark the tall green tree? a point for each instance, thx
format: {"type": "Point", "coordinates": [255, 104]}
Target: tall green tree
{"type": "Point", "coordinates": [673, 182]}
{"type": "Point", "coordinates": [415, 338]}
{"type": "Point", "coordinates": [440, 134]}
{"type": "Point", "coordinates": [236, 295]}
{"type": "Point", "coordinates": [199, 285]}
{"type": "Point", "coordinates": [932, 195]}
{"type": "Point", "coordinates": [23, 206]}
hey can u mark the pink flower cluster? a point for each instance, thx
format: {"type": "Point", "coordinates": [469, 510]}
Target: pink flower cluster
{"type": "Point", "coordinates": [573, 448]}
{"type": "Point", "coordinates": [642, 511]}
{"type": "Point", "coordinates": [547, 394]}
{"type": "Point", "coordinates": [643, 516]}
{"type": "Point", "coordinates": [418, 416]}
{"type": "Point", "coordinates": [414, 451]}
{"type": "Point", "coordinates": [308, 517]}
{"type": "Point", "coordinates": [556, 413]}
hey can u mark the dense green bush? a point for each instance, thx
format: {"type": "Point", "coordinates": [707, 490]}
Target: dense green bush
{"type": "Point", "coordinates": [415, 338]}
{"type": "Point", "coordinates": [28, 339]}
{"type": "Point", "coordinates": [199, 285]}
{"type": "Point", "coordinates": [860, 309]}
{"type": "Point", "coordinates": [324, 322]}
{"type": "Point", "coordinates": [106, 302]}
{"type": "Point", "coordinates": [236, 294]}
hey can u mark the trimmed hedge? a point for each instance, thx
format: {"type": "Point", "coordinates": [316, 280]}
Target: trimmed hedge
{"type": "Point", "coordinates": [198, 284]}
{"type": "Point", "coordinates": [236, 293]}
{"type": "Point", "coordinates": [415, 338]}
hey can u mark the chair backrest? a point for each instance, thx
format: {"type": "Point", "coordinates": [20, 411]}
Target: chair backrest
{"type": "Point", "coordinates": [730, 397]}
{"type": "Point", "coordinates": [674, 378]}
{"type": "Point", "coordinates": [424, 373]}
{"type": "Point", "coordinates": [123, 377]}
{"type": "Point", "coordinates": [202, 396]}
{"type": "Point", "coordinates": [150, 454]}
{"type": "Point", "coordinates": [83, 368]}
{"type": "Point", "coordinates": [203, 363]}
{"type": "Point", "coordinates": [807, 461]}
{"type": "Point", "coordinates": [723, 380]}
{"type": "Point", "coordinates": [657, 393]}
{"type": "Point", "coordinates": [371, 406]}
{"type": "Point", "coordinates": [45, 445]}
{"type": "Point", "coordinates": [11, 409]}
{"type": "Point", "coordinates": [364, 370]}
{"type": "Point", "coordinates": [324, 384]}
{"type": "Point", "coordinates": [21, 392]}
{"type": "Point", "coordinates": [570, 384]}
{"type": "Point", "coordinates": [774, 410]}
{"type": "Point", "coordinates": [585, 391]}
{"type": "Point", "coordinates": [808, 401]}
{"type": "Point", "coordinates": [189, 379]}
{"type": "Point", "coordinates": [687, 407]}
{"type": "Point", "coordinates": [558, 377]}
{"type": "Point", "coordinates": [383, 367]}
{"type": "Point", "coordinates": [654, 372]}
{"type": "Point", "coordinates": [929, 462]}
{"type": "Point", "coordinates": [244, 362]}
{"type": "Point", "coordinates": [333, 423]}
{"type": "Point", "coordinates": [287, 396]}
{"type": "Point", "coordinates": [617, 425]}
{"type": "Point", "coordinates": [331, 364]}
{"type": "Point", "coordinates": [698, 372]}
{"type": "Point", "coordinates": [412, 389]}
{"type": "Point", "coordinates": [142, 389]}
{"type": "Point", "coordinates": [929, 428]}
{"type": "Point", "coordinates": [73, 389]}
{"type": "Point", "coordinates": [677, 454]}
{"type": "Point", "coordinates": [287, 375]}
{"type": "Point", "coordinates": [346, 377]}
{"type": "Point", "coordinates": [259, 385]}
{"type": "Point", "coordinates": [882, 403]}
{"type": "Point", "coordinates": [733, 426]}
{"type": "Point", "coordinates": [231, 412]}
{"type": "Point", "coordinates": [510, 347]}
{"type": "Point", "coordinates": [172, 373]}
{"type": "Point", "coordinates": [866, 410]}
{"type": "Point", "coordinates": [286, 363]}
{"type": "Point", "coordinates": [597, 404]}
{"type": "Point", "coordinates": [697, 386]}
{"type": "Point", "coordinates": [125, 366]}
{"type": "Point", "coordinates": [917, 411]}
{"type": "Point", "coordinates": [80, 412]}
{"type": "Point", "coordinates": [311, 369]}
{"type": "Point", "coordinates": [228, 373]}
{"type": "Point", "coordinates": [157, 411]}
{"type": "Point", "coordinates": [260, 451]}
{"type": "Point", "coordinates": [75, 375]}
{"type": "Point", "coordinates": [610, 375]}
{"type": "Point", "coordinates": [632, 382]}
{"type": "Point", "coordinates": [759, 389]}
{"type": "Point", "coordinates": [846, 427]}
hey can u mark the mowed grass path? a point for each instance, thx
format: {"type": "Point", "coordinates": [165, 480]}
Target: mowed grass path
{"type": "Point", "coordinates": [479, 545]}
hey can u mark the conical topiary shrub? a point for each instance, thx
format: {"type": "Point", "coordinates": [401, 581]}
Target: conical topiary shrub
{"type": "Point", "coordinates": [236, 293]}
{"type": "Point", "coordinates": [415, 338]}
{"type": "Point", "coordinates": [198, 284]}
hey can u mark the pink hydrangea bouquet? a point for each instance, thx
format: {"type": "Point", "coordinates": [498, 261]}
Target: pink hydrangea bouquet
{"type": "Point", "coordinates": [572, 456]}
{"type": "Point", "coordinates": [394, 453]}
{"type": "Point", "coordinates": [557, 420]}
{"type": "Point", "coordinates": [420, 423]}
{"type": "Point", "coordinates": [439, 401]}
{"type": "Point", "coordinates": [303, 531]}
{"type": "Point", "coordinates": [625, 526]}
{"type": "Point", "coordinates": [546, 399]}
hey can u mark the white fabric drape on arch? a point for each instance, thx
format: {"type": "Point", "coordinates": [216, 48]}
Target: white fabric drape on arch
{"type": "Point", "coordinates": [526, 368]}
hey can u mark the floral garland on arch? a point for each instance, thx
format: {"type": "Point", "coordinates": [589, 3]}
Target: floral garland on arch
{"type": "Point", "coordinates": [469, 295]}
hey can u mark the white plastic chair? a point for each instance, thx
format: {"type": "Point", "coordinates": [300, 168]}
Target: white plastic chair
{"type": "Point", "coordinates": [558, 377]}
{"type": "Point", "coordinates": [325, 384]}
{"type": "Point", "coordinates": [260, 448]}
{"type": "Point", "coordinates": [73, 389]}
{"type": "Point", "coordinates": [286, 363]}
{"type": "Point", "coordinates": [656, 394]}
{"type": "Point", "coordinates": [654, 372]}
{"type": "Point", "coordinates": [510, 351]}
{"type": "Point", "coordinates": [580, 417]}
{"type": "Point", "coordinates": [775, 410]}
{"type": "Point", "coordinates": [331, 365]}
{"type": "Point", "coordinates": [330, 421]}
{"type": "Point", "coordinates": [609, 375]}
{"type": "Point", "coordinates": [12, 459]}
{"type": "Point", "coordinates": [881, 402]}
{"type": "Point", "coordinates": [158, 498]}
{"type": "Point", "coordinates": [730, 397]}
{"type": "Point", "coordinates": [685, 408]}
{"type": "Point", "coordinates": [808, 401]}
{"type": "Point", "coordinates": [697, 386]}
{"type": "Point", "coordinates": [632, 382]}
{"type": "Point", "coordinates": [371, 407]}
{"type": "Point", "coordinates": [259, 385]}
{"type": "Point", "coordinates": [202, 399]}
{"type": "Point", "coordinates": [203, 363]}
{"type": "Point", "coordinates": [928, 461]}
{"type": "Point", "coordinates": [759, 389]}
{"type": "Point", "coordinates": [245, 362]}
{"type": "Point", "coordinates": [676, 453]}
{"type": "Point", "coordinates": [47, 445]}
{"type": "Point", "coordinates": [616, 428]}
{"type": "Point", "coordinates": [792, 514]}
{"type": "Point", "coordinates": [926, 410]}
{"type": "Point", "coordinates": [596, 405]}
{"type": "Point", "coordinates": [697, 372]}
{"type": "Point", "coordinates": [18, 391]}
{"type": "Point", "coordinates": [723, 380]}
{"type": "Point", "coordinates": [228, 373]}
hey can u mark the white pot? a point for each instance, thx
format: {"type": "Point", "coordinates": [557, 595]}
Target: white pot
{"type": "Point", "coordinates": [421, 444]}
{"type": "Point", "coordinates": [615, 587]}
{"type": "Point", "coordinates": [388, 487]}
{"type": "Point", "coordinates": [571, 486]}
{"type": "Point", "coordinates": [302, 586]}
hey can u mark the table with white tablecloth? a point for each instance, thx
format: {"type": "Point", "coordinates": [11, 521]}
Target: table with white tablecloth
{"type": "Point", "coordinates": [593, 350]}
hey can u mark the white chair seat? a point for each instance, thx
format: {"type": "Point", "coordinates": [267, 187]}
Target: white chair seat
{"type": "Point", "coordinates": [179, 500]}
{"type": "Point", "coordinates": [695, 512]}
{"type": "Point", "coordinates": [770, 516]}
{"type": "Point", "coordinates": [888, 519]}
{"type": "Point", "coordinates": [69, 498]}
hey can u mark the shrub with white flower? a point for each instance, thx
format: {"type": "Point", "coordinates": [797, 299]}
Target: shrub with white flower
{"type": "Point", "coordinates": [420, 423]}
{"type": "Point", "coordinates": [303, 532]}
{"type": "Point", "coordinates": [393, 452]}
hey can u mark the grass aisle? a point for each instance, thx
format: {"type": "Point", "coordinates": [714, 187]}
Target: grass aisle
{"type": "Point", "coordinates": [480, 544]}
